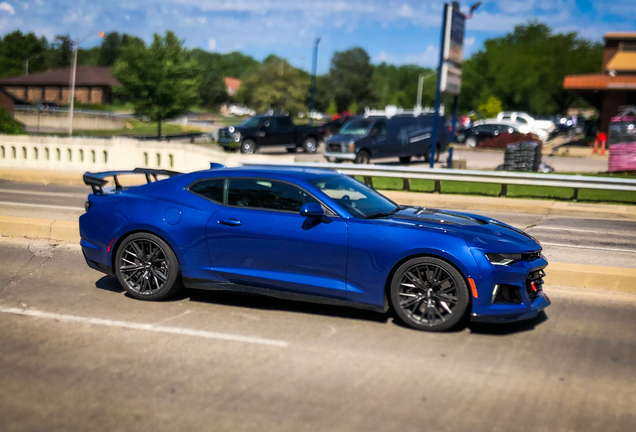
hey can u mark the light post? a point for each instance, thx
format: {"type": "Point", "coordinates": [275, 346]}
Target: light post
{"type": "Point", "coordinates": [420, 85]}
{"type": "Point", "coordinates": [73, 75]}
{"type": "Point", "coordinates": [26, 63]}
{"type": "Point", "coordinates": [312, 90]}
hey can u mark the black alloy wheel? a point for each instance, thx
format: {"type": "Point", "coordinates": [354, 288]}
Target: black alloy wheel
{"type": "Point", "coordinates": [248, 146]}
{"type": "Point", "coordinates": [310, 145]}
{"type": "Point", "coordinates": [147, 267]}
{"type": "Point", "coordinates": [362, 157]}
{"type": "Point", "coordinates": [429, 294]}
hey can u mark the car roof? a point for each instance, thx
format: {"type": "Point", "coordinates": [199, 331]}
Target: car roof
{"type": "Point", "coordinates": [272, 171]}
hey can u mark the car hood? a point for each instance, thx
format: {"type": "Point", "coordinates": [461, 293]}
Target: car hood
{"type": "Point", "coordinates": [478, 231]}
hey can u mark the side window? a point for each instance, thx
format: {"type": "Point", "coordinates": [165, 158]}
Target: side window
{"type": "Point", "coordinates": [378, 129]}
{"type": "Point", "coordinates": [211, 189]}
{"type": "Point", "coordinates": [522, 120]}
{"type": "Point", "coordinates": [284, 122]}
{"type": "Point", "coordinates": [266, 194]}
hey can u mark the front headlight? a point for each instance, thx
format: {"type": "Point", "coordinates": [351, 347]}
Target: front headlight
{"type": "Point", "coordinates": [503, 258]}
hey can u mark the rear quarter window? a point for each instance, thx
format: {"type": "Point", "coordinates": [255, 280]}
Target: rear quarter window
{"type": "Point", "coordinates": [212, 189]}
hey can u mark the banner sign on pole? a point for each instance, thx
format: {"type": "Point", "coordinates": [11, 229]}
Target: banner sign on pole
{"type": "Point", "coordinates": [453, 51]}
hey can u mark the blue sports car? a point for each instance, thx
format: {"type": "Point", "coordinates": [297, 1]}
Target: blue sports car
{"type": "Point", "coordinates": [309, 234]}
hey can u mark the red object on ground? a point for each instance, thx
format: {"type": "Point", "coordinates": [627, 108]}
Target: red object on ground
{"type": "Point", "coordinates": [622, 157]}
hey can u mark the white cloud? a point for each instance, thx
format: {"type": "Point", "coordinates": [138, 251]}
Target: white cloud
{"type": "Point", "coordinates": [211, 44]}
{"type": "Point", "coordinates": [6, 7]}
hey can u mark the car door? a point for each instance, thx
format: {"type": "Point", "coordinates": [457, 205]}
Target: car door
{"type": "Point", "coordinates": [285, 131]}
{"type": "Point", "coordinates": [259, 238]}
{"type": "Point", "coordinates": [379, 143]}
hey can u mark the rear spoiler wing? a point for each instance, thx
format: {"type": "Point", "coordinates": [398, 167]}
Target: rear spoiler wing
{"type": "Point", "coordinates": [97, 181]}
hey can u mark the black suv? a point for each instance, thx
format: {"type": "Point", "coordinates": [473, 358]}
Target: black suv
{"type": "Point", "coordinates": [270, 130]}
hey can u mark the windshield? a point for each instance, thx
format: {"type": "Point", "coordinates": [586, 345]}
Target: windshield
{"type": "Point", "coordinates": [355, 127]}
{"type": "Point", "coordinates": [252, 122]}
{"type": "Point", "coordinates": [359, 200]}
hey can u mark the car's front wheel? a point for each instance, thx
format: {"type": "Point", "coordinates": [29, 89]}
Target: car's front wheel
{"type": "Point", "coordinates": [429, 294]}
{"type": "Point", "coordinates": [362, 157]}
{"type": "Point", "coordinates": [147, 267]}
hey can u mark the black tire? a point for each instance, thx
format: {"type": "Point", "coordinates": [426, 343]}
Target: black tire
{"type": "Point", "coordinates": [427, 157]}
{"type": "Point", "coordinates": [471, 142]}
{"type": "Point", "coordinates": [429, 294]}
{"type": "Point", "coordinates": [248, 146]}
{"type": "Point", "coordinates": [362, 157]}
{"type": "Point", "coordinates": [310, 145]}
{"type": "Point", "coordinates": [404, 160]}
{"type": "Point", "coordinates": [291, 149]}
{"type": "Point", "coordinates": [147, 267]}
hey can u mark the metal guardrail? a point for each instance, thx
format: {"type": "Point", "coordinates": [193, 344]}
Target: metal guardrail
{"type": "Point", "coordinates": [503, 178]}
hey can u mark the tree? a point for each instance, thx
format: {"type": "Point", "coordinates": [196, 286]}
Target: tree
{"type": "Point", "coordinates": [351, 73]}
{"type": "Point", "coordinates": [525, 69]}
{"type": "Point", "coordinates": [275, 85]}
{"type": "Point", "coordinates": [15, 48]}
{"type": "Point", "coordinates": [161, 80]}
{"type": "Point", "coordinates": [212, 88]}
{"type": "Point", "coordinates": [397, 85]}
{"type": "Point", "coordinates": [236, 64]}
{"type": "Point", "coordinates": [60, 54]}
{"type": "Point", "coordinates": [491, 108]}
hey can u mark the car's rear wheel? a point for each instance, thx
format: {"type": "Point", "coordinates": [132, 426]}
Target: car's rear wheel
{"type": "Point", "coordinates": [147, 267]}
{"type": "Point", "coordinates": [248, 146]}
{"type": "Point", "coordinates": [291, 149]}
{"type": "Point", "coordinates": [427, 157]}
{"type": "Point", "coordinates": [429, 294]}
{"type": "Point", "coordinates": [471, 142]}
{"type": "Point", "coordinates": [362, 157]}
{"type": "Point", "coordinates": [310, 145]}
{"type": "Point", "coordinates": [405, 160]}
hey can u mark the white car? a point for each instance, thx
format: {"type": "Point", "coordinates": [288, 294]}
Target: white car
{"type": "Point", "coordinates": [541, 128]}
{"type": "Point", "coordinates": [240, 110]}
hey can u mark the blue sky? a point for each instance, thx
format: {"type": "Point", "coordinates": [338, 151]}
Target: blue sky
{"type": "Point", "coordinates": [396, 31]}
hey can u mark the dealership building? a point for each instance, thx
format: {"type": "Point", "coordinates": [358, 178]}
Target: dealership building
{"type": "Point", "coordinates": [615, 86]}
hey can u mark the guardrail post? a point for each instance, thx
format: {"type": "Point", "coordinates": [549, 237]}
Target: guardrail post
{"type": "Point", "coordinates": [438, 187]}
{"type": "Point", "coordinates": [368, 181]}
{"type": "Point", "coordinates": [406, 184]}
{"type": "Point", "coordinates": [504, 190]}
{"type": "Point", "coordinates": [575, 196]}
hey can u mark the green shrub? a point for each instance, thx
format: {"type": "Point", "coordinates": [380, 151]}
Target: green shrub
{"type": "Point", "coordinates": [8, 125]}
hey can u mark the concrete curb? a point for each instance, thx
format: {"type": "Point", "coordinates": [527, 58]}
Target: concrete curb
{"type": "Point", "coordinates": [558, 274]}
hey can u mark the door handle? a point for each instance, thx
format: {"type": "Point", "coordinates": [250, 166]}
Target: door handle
{"type": "Point", "coordinates": [230, 222]}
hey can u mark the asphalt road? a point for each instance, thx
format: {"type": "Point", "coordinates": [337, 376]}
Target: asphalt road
{"type": "Point", "coordinates": [565, 239]}
{"type": "Point", "coordinates": [79, 355]}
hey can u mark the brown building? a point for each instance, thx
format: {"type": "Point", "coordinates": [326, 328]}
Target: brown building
{"type": "Point", "coordinates": [93, 85]}
{"type": "Point", "coordinates": [616, 85]}
{"type": "Point", "coordinates": [7, 101]}
{"type": "Point", "coordinates": [231, 85]}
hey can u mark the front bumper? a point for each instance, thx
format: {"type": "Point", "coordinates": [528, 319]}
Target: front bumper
{"type": "Point", "coordinates": [509, 293]}
{"type": "Point", "coordinates": [230, 143]}
{"type": "Point", "coordinates": [340, 156]}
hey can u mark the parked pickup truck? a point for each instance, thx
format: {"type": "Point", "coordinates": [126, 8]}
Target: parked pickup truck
{"type": "Point", "coordinates": [270, 130]}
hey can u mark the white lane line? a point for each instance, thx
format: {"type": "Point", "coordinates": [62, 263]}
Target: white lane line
{"type": "Point", "coordinates": [56, 194]}
{"type": "Point", "coordinates": [622, 233]}
{"type": "Point", "coordinates": [147, 327]}
{"type": "Point", "coordinates": [588, 247]}
{"type": "Point", "coordinates": [7, 203]}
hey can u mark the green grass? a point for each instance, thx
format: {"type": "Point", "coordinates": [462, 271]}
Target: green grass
{"type": "Point", "coordinates": [138, 128]}
{"type": "Point", "coordinates": [514, 191]}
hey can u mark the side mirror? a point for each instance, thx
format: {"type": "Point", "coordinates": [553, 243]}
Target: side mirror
{"type": "Point", "coordinates": [312, 210]}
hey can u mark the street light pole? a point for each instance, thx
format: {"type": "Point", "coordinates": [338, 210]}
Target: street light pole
{"type": "Point", "coordinates": [73, 74]}
{"type": "Point", "coordinates": [313, 80]}
{"type": "Point", "coordinates": [26, 63]}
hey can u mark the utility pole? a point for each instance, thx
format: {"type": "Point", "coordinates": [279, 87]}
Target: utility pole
{"type": "Point", "coordinates": [312, 90]}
